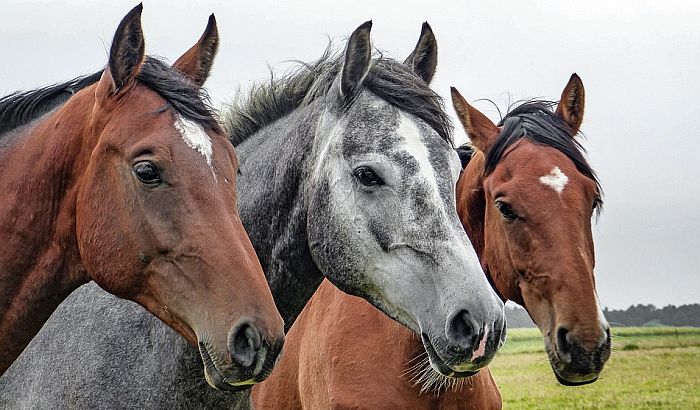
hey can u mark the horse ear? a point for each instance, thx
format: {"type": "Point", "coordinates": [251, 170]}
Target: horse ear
{"type": "Point", "coordinates": [481, 131]}
{"type": "Point", "coordinates": [357, 59]}
{"type": "Point", "coordinates": [196, 63]}
{"type": "Point", "coordinates": [423, 59]}
{"type": "Point", "coordinates": [572, 103]}
{"type": "Point", "coordinates": [126, 54]}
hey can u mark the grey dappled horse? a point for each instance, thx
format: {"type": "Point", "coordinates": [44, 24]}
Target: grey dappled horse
{"type": "Point", "coordinates": [348, 172]}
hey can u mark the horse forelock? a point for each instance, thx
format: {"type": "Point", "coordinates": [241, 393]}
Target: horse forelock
{"type": "Point", "coordinates": [186, 98]}
{"type": "Point", "coordinates": [537, 122]}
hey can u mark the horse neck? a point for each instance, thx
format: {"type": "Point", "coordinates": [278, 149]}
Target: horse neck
{"type": "Point", "coordinates": [40, 263]}
{"type": "Point", "coordinates": [471, 208]}
{"type": "Point", "coordinates": [471, 202]}
{"type": "Point", "coordinates": [276, 163]}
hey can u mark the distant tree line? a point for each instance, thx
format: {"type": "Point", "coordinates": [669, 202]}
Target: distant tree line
{"type": "Point", "coordinates": [636, 315]}
{"type": "Point", "coordinates": [650, 315]}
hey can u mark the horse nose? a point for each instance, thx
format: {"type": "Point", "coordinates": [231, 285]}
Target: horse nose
{"type": "Point", "coordinates": [463, 331]}
{"type": "Point", "coordinates": [580, 359]}
{"type": "Point", "coordinates": [244, 343]}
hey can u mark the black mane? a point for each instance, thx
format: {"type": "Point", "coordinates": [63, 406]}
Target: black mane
{"type": "Point", "coordinates": [388, 79]}
{"type": "Point", "coordinates": [465, 152]}
{"type": "Point", "coordinates": [188, 100]}
{"type": "Point", "coordinates": [536, 121]}
{"type": "Point", "coordinates": [23, 107]}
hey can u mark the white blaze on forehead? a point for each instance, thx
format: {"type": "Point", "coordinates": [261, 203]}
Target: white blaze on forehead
{"type": "Point", "coordinates": [331, 134]}
{"type": "Point", "coordinates": [556, 180]}
{"type": "Point", "coordinates": [417, 149]}
{"type": "Point", "coordinates": [195, 137]}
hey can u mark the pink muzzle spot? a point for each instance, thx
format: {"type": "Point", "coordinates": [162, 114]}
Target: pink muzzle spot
{"type": "Point", "coordinates": [481, 350]}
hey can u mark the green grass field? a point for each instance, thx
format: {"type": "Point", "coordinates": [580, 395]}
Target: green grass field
{"type": "Point", "coordinates": [650, 368]}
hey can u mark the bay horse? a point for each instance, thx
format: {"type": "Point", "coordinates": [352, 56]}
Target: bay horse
{"type": "Point", "coordinates": [526, 199]}
{"type": "Point", "coordinates": [124, 177]}
{"type": "Point", "coordinates": [347, 172]}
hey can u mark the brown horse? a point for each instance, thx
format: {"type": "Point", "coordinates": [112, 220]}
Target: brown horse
{"type": "Point", "coordinates": [131, 183]}
{"type": "Point", "coordinates": [526, 198]}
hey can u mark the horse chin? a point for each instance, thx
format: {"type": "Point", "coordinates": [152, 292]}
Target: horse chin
{"type": "Point", "coordinates": [574, 381]}
{"type": "Point", "coordinates": [439, 365]}
{"type": "Point", "coordinates": [566, 378]}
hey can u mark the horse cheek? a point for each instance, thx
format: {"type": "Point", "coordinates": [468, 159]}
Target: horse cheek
{"type": "Point", "coordinates": [103, 235]}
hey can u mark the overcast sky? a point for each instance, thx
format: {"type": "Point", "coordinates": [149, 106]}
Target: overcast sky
{"type": "Point", "coordinates": [639, 61]}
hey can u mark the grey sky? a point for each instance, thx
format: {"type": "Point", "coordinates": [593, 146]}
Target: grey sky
{"type": "Point", "coordinates": [639, 61]}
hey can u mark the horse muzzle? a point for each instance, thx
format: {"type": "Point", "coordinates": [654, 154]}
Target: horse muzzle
{"type": "Point", "coordinates": [252, 359]}
{"type": "Point", "coordinates": [573, 364]}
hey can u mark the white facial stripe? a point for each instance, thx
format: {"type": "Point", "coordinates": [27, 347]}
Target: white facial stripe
{"type": "Point", "coordinates": [333, 134]}
{"type": "Point", "coordinates": [555, 180]}
{"type": "Point", "coordinates": [416, 147]}
{"type": "Point", "coordinates": [195, 137]}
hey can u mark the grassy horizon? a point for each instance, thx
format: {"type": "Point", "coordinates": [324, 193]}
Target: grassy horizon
{"type": "Point", "coordinates": [650, 368]}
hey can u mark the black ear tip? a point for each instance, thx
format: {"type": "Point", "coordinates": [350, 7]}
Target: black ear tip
{"type": "Point", "coordinates": [134, 14]}
{"type": "Point", "coordinates": [132, 21]}
{"type": "Point", "coordinates": [136, 10]}
{"type": "Point", "coordinates": [211, 24]}
{"type": "Point", "coordinates": [367, 25]}
{"type": "Point", "coordinates": [426, 28]}
{"type": "Point", "coordinates": [575, 78]}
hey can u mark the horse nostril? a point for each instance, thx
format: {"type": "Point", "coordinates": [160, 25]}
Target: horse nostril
{"type": "Point", "coordinates": [562, 341]}
{"type": "Point", "coordinates": [244, 343]}
{"type": "Point", "coordinates": [462, 332]}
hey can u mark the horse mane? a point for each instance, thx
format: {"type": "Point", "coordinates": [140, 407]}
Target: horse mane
{"type": "Point", "coordinates": [190, 101]}
{"type": "Point", "coordinates": [536, 121]}
{"type": "Point", "coordinates": [388, 79]}
{"type": "Point", "coordinates": [23, 107]}
{"type": "Point", "coordinates": [185, 97]}
{"type": "Point", "coordinates": [465, 152]}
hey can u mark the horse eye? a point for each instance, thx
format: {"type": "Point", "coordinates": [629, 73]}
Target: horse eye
{"type": "Point", "coordinates": [367, 176]}
{"type": "Point", "coordinates": [506, 211]}
{"type": "Point", "coordinates": [147, 173]}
